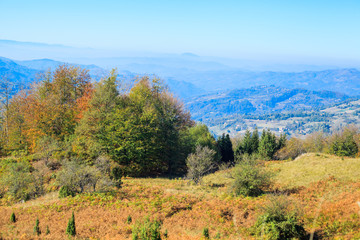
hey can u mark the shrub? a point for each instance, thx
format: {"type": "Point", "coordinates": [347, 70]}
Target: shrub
{"type": "Point", "coordinates": [200, 163]}
{"type": "Point", "coordinates": [129, 219]}
{"type": "Point", "coordinates": [279, 221]}
{"type": "Point", "coordinates": [66, 191]}
{"type": "Point", "coordinates": [71, 229]}
{"type": "Point", "coordinates": [47, 230]}
{"type": "Point", "coordinates": [249, 178]}
{"type": "Point", "coordinates": [206, 233]}
{"type": "Point", "coordinates": [13, 218]}
{"type": "Point", "coordinates": [147, 230]}
{"type": "Point", "coordinates": [343, 144]}
{"type": "Point", "coordinates": [37, 230]}
{"type": "Point", "coordinates": [293, 148]}
{"type": "Point", "coordinates": [78, 177]}
{"type": "Point", "coordinates": [21, 181]}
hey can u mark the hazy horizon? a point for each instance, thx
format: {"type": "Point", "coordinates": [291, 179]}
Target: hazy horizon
{"type": "Point", "coordinates": [306, 32]}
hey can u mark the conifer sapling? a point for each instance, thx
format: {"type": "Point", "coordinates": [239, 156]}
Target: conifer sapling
{"type": "Point", "coordinates": [71, 230]}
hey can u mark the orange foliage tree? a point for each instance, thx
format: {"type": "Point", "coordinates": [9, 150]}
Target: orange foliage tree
{"type": "Point", "coordinates": [51, 108]}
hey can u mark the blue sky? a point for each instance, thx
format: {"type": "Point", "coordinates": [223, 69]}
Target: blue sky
{"type": "Point", "coordinates": [258, 29]}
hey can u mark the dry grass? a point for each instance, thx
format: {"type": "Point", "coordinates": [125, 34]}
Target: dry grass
{"type": "Point", "coordinates": [330, 205]}
{"type": "Point", "coordinates": [313, 167]}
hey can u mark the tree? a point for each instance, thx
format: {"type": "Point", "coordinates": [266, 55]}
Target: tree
{"type": "Point", "coordinates": [225, 148]}
{"type": "Point", "coordinates": [89, 134]}
{"type": "Point", "coordinates": [249, 144]}
{"type": "Point", "coordinates": [255, 141]}
{"type": "Point", "coordinates": [199, 135]}
{"type": "Point", "coordinates": [50, 108]}
{"type": "Point", "coordinates": [37, 230]}
{"type": "Point", "coordinates": [12, 217]}
{"type": "Point", "coordinates": [200, 163]}
{"type": "Point", "coordinates": [143, 133]}
{"type": "Point", "coordinates": [147, 230]}
{"type": "Point", "coordinates": [71, 228]}
{"type": "Point", "coordinates": [343, 144]}
{"type": "Point", "coordinates": [59, 93]}
{"type": "Point", "coordinates": [293, 148]}
{"type": "Point", "coordinates": [269, 144]}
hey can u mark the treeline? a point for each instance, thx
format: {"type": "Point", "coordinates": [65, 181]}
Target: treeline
{"type": "Point", "coordinates": [345, 142]}
{"type": "Point", "coordinates": [145, 131]}
{"type": "Point", "coordinates": [264, 147]}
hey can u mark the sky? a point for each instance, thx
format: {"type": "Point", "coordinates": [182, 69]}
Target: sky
{"type": "Point", "coordinates": [257, 29]}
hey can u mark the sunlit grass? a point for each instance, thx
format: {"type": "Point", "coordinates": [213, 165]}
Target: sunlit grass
{"type": "Point", "coordinates": [314, 167]}
{"type": "Point", "coordinates": [215, 184]}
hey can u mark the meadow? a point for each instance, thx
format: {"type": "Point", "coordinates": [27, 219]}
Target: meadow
{"type": "Point", "coordinates": [324, 188]}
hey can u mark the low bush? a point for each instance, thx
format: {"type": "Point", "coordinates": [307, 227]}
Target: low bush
{"type": "Point", "coordinates": [78, 177]}
{"type": "Point", "coordinates": [250, 178]}
{"type": "Point", "coordinates": [129, 219]}
{"type": "Point", "coordinates": [206, 233]}
{"type": "Point", "coordinates": [66, 191]}
{"type": "Point", "coordinates": [21, 181]}
{"type": "Point", "coordinates": [279, 221]}
{"type": "Point", "coordinates": [200, 163]}
{"type": "Point", "coordinates": [147, 230]}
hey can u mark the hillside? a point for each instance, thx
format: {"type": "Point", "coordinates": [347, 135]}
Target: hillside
{"type": "Point", "coordinates": [186, 209]}
{"type": "Point", "coordinates": [294, 111]}
{"type": "Point", "coordinates": [18, 75]}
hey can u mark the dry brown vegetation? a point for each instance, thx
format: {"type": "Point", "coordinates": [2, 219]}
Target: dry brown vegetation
{"type": "Point", "coordinates": [328, 205]}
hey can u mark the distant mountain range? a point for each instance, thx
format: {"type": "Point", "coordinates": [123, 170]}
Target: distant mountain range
{"type": "Point", "coordinates": [293, 111]}
{"type": "Point", "coordinates": [22, 73]}
{"type": "Point", "coordinates": [259, 101]}
{"type": "Point", "coordinates": [340, 80]}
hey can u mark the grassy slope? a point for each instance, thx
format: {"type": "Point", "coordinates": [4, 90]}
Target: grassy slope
{"type": "Point", "coordinates": [330, 205]}
{"type": "Point", "coordinates": [310, 168]}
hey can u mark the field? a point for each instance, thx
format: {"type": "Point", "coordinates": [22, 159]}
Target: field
{"type": "Point", "coordinates": [325, 188]}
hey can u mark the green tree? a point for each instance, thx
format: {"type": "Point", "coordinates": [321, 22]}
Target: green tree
{"type": "Point", "coordinates": [225, 148]}
{"type": "Point", "coordinates": [268, 144]}
{"type": "Point", "coordinates": [249, 144]}
{"type": "Point", "coordinates": [343, 144]}
{"type": "Point", "coordinates": [143, 134]}
{"type": "Point", "coordinates": [71, 228]}
{"type": "Point", "coordinates": [13, 218]}
{"type": "Point", "coordinates": [206, 233]}
{"type": "Point", "coordinates": [199, 135]}
{"type": "Point", "coordinates": [89, 134]}
{"type": "Point", "coordinates": [255, 141]}
{"type": "Point", "coordinates": [37, 230]}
